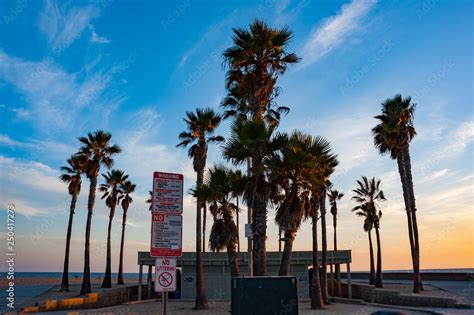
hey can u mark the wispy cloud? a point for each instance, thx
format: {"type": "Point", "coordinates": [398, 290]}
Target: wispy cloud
{"type": "Point", "coordinates": [63, 24]}
{"type": "Point", "coordinates": [334, 30]}
{"type": "Point", "coordinates": [451, 146]}
{"type": "Point", "coordinates": [210, 33]}
{"type": "Point", "coordinates": [54, 95]}
{"type": "Point", "coordinates": [96, 38]}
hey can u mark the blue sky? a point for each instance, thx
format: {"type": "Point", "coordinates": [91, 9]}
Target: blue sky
{"type": "Point", "coordinates": [133, 69]}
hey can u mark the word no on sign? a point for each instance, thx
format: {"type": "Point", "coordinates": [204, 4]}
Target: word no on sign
{"type": "Point", "coordinates": [166, 235]}
{"type": "Point", "coordinates": [167, 193]}
{"type": "Point", "coordinates": [165, 274]}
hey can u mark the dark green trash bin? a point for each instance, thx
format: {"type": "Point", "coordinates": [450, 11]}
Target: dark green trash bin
{"type": "Point", "coordinates": [264, 295]}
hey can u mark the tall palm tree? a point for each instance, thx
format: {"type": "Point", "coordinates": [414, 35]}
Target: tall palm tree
{"type": "Point", "coordinates": [217, 191]}
{"type": "Point", "coordinates": [127, 188]}
{"type": "Point", "coordinates": [393, 135]}
{"type": "Point", "coordinates": [254, 140]}
{"type": "Point", "coordinates": [71, 176]}
{"type": "Point", "coordinates": [255, 61]}
{"type": "Point", "coordinates": [96, 147]}
{"type": "Point", "coordinates": [112, 192]}
{"type": "Point", "coordinates": [335, 195]}
{"type": "Point", "coordinates": [200, 128]}
{"type": "Point", "coordinates": [368, 226]}
{"type": "Point", "coordinates": [291, 170]}
{"type": "Point", "coordinates": [324, 243]}
{"type": "Point", "coordinates": [367, 195]}
{"type": "Point", "coordinates": [326, 164]}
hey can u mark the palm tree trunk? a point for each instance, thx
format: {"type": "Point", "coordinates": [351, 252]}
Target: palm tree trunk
{"type": "Point", "coordinates": [378, 276]}
{"type": "Point", "coordinates": [259, 240]}
{"type": "Point", "coordinates": [233, 259]}
{"type": "Point", "coordinates": [65, 280]}
{"type": "Point", "coordinates": [204, 214]}
{"type": "Point", "coordinates": [122, 241]}
{"type": "Point", "coordinates": [324, 277]}
{"type": "Point", "coordinates": [107, 283]}
{"type": "Point", "coordinates": [285, 264]}
{"type": "Point", "coordinates": [86, 280]}
{"type": "Point", "coordinates": [238, 226]}
{"type": "Point", "coordinates": [406, 197]}
{"type": "Point", "coordinates": [316, 297]}
{"type": "Point", "coordinates": [337, 266]}
{"type": "Point", "coordinates": [417, 285]}
{"type": "Point", "coordinates": [201, 298]}
{"type": "Point", "coordinates": [372, 265]}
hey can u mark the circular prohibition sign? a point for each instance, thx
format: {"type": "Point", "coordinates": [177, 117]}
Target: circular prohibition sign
{"type": "Point", "coordinates": [165, 279]}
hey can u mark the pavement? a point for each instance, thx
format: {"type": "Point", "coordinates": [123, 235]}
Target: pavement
{"type": "Point", "coordinates": [223, 307]}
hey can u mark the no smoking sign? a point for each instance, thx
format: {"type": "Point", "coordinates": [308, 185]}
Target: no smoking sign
{"type": "Point", "coordinates": [165, 274]}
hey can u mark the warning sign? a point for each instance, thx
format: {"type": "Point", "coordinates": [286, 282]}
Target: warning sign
{"type": "Point", "coordinates": [166, 235]}
{"type": "Point", "coordinates": [165, 274]}
{"type": "Point", "coordinates": [167, 193]}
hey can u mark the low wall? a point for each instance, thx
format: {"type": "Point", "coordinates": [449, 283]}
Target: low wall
{"type": "Point", "coordinates": [370, 294]}
{"type": "Point", "coordinates": [433, 276]}
{"type": "Point", "coordinates": [104, 298]}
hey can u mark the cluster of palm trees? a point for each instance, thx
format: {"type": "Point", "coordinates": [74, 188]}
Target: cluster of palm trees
{"type": "Point", "coordinates": [96, 151]}
{"type": "Point", "coordinates": [290, 172]}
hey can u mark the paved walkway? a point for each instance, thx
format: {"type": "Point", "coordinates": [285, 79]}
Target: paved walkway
{"type": "Point", "coordinates": [222, 307]}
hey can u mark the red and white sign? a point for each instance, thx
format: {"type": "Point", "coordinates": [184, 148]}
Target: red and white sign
{"type": "Point", "coordinates": [165, 274]}
{"type": "Point", "coordinates": [167, 193]}
{"type": "Point", "coordinates": [166, 235]}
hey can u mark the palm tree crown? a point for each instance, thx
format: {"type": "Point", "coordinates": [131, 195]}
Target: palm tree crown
{"type": "Point", "coordinates": [127, 188]}
{"type": "Point", "coordinates": [367, 195]}
{"type": "Point", "coordinates": [334, 195]}
{"type": "Point", "coordinates": [395, 128]}
{"type": "Point", "coordinates": [72, 173]}
{"type": "Point", "coordinates": [96, 147]}
{"type": "Point", "coordinates": [112, 188]}
{"type": "Point", "coordinates": [201, 126]}
{"type": "Point", "coordinates": [255, 61]}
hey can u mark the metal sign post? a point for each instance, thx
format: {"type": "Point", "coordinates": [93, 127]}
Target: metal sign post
{"type": "Point", "coordinates": [166, 231]}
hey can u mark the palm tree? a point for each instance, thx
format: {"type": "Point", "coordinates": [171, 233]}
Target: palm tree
{"type": "Point", "coordinates": [201, 126]}
{"type": "Point", "coordinates": [96, 148]}
{"type": "Point", "coordinates": [150, 200]}
{"type": "Point", "coordinates": [254, 140]}
{"type": "Point", "coordinates": [255, 61]}
{"type": "Point", "coordinates": [127, 188]}
{"type": "Point", "coordinates": [393, 135]}
{"type": "Point", "coordinates": [71, 176]}
{"type": "Point", "coordinates": [326, 163]}
{"type": "Point", "coordinates": [368, 226]}
{"type": "Point", "coordinates": [324, 241]}
{"type": "Point", "coordinates": [367, 195]}
{"type": "Point", "coordinates": [217, 191]}
{"type": "Point", "coordinates": [291, 171]}
{"type": "Point", "coordinates": [112, 192]}
{"type": "Point", "coordinates": [335, 195]}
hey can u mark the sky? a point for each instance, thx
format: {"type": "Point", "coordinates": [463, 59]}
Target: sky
{"type": "Point", "coordinates": [135, 68]}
